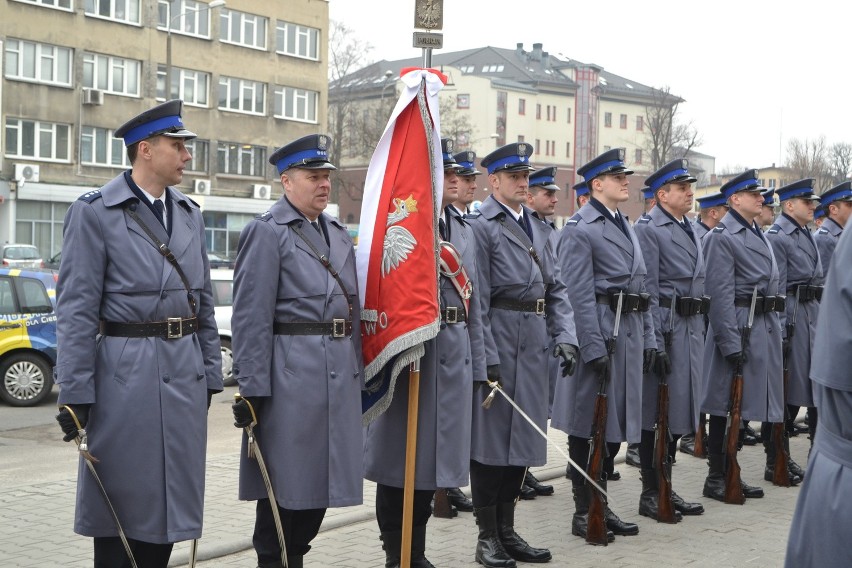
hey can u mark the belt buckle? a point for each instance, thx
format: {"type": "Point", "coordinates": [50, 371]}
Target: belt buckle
{"type": "Point", "coordinates": [170, 326]}
{"type": "Point", "coordinates": [451, 315]}
{"type": "Point", "coordinates": [338, 328]}
{"type": "Point", "coordinates": [539, 307]}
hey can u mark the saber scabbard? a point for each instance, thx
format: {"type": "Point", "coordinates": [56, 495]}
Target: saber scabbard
{"type": "Point", "coordinates": [255, 453]}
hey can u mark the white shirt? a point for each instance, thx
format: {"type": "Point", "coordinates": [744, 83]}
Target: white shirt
{"type": "Point", "coordinates": [162, 198]}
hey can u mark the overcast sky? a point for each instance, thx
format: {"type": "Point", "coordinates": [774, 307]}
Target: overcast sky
{"type": "Point", "coordinates": [754, 73]}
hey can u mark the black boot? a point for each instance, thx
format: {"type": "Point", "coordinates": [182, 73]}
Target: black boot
{"type": "Point", "coordinates": [527, 492]}
{"type": "Point", "coordinates": [614, 476]}
{"type": "Point", "coordinates": [632, 456]}
{"type": "Point", "coordinates": [751, 491]}
{"type": "Point", "coordinates": [391, 544]}
{"type": "Point", "coordinates": [459, 500]}
{"type": "Point", "coordinates": [418, 548]}
{"type": "Point", "coordinates": [687, 444]}
{"type": "Point", "coordinates": [794, 468]}
{"type": "Point", "coordinates": [684, 507]}
{"type": "Point", "coordinates": [615, 524]}
{"type": "Point", "coordinates": [489, 549]}
{"type": "Point", "coordinates": [513, 544]}
{"type": "Point", "coordinates": [714, 484]}
{"type": "Point", "coordinates": [581, 511]}
{"type": "Point", "coordinates": [297, 561]}
{"type": "Point", "coordinates": [749, 436]}
{"type": "Point", "coordinates": [769, 470]}
{"type": "Point", "coordinates": [537, 486]}
{"type": "Point", "coordinates": [649, 499]}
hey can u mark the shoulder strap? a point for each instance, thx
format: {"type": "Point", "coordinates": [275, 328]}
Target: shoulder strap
{"type": "Point", "coordinates": [167, 253]}
{"type": "Point", "coordinates": [515, 229]}
{"type": "Point", "coordinates": [296, 227]}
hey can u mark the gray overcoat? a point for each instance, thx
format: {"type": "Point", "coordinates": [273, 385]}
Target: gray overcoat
{"type": "Point", "coordinates": [447, 371]}
{"type": "Point", "coordinates": [148, 420]}
{"type": "Point", "coordinates": [675, 264]}
{"type": "Point", "coordinates": [554, 368]}
{"type": "Point", "coordinates": [310, 421]}
{"type": "Point", "coordinates": [823, 516]}
{"type": "Point", "coordinates": [520, 342]}
{"type": "Point", "coordinates": [737, 260]}
{"type": "Point", "coordinates": [826, 238]}
{"type": "Point", "coordinates": [596, 257]}
{"type": "Point", "coordinates": [798, 263]}
{"type": "Point", "coordinates": [700, 229]}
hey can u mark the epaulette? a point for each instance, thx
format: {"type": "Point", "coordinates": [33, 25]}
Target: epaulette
{"type": "Point", "coordinates": [264, 216]}
{"type": "Point", "coordinates": [718, 229]}
{"type": "Point", "coordinates": [90, 196]}
{"type": "Point", "coordinates": [773, 230]}
{"type": "Point", "coordinates": [822, 231]}
{"type": "Point", "coordinates": [472, 215]}
{"type": "Point", "coordinates": [572, 221]}
{"type": "Point", "coordinates": [643, 220]}
{"type": "Point", "coordinates": [191, 200]}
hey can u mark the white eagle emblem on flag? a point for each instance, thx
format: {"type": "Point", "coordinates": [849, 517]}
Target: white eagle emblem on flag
{"type": "Point", "coordinates": [399, 242]}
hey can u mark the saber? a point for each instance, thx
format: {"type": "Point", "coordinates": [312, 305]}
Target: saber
{"type": "Point", "coordinates": [254, 453]}
{"type": "Point", "coordinates": [83, 447]}
{"type": "Point", "coordinates": [497, 387]}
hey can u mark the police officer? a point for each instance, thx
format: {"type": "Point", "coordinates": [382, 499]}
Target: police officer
{"type": "Point", "coordinates": [819, 217]}
{"type": "Point", "coordinates": [453, 360]}
{"type": "Point", "coordinates": [138, 347]}
{"type": "Point", "coordinates": [296, 358]}
{"type": "Point", "coordinates": [581, 190]}
{"type": "Point", "coordinates": [516, 276]}
{"type": "Point", "coordinates": [767, 212]}
{"type": "Point", "coordinates": [711, 209]}
{"type": "Point", "coordinates": [467, 173]}
{"type": "Point", "coordinates": [820, 527]}
{"type": "Point", "coordinates": [800, 275]}
{"type": "Point", "coordinates": [837, 204]}
{"type": "Point", "coordinates": [739, 259]}
{"type": "Point", "coordinates": [599, 257]}
{"type": "Point", "coordinates": [675, 264]}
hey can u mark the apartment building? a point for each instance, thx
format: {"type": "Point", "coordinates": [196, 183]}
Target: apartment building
{"type": "Point", "coordinates": [252, 77]}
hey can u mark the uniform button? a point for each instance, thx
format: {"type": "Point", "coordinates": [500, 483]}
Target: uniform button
{"type": "Point", "coordinates": [166, 378]}
{"type": "Point", "coordinates": [443, 360]}
{"type": "Point", "coordinates": [199, 377]}
{"type": "Point", "coordinates": [443, 325]}
{"type": "Point", "coordinates": [333, 374]}
{"type": "Point", "coordinates": [523, 346]}
{"type": "Point", "coordinates": [163, 295]}
{"type": "Point", "coordinates": [526, 316]}
{"type": "Point", "coordinates": [466, 360]}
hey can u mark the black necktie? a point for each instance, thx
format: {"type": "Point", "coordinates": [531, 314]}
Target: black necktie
{"type": "Point", "coordinates": [160, 209]}
{"type": "Point", "coordinates": [316, 226]}
{"type": "Point", "coordinates": [522, 221]}
{"type": "Point", "coordinates": [442, 228]}
{"type": "Point", "coordinates": [621, 224]}
{"type": "Point", "coordinates": [687, 226]}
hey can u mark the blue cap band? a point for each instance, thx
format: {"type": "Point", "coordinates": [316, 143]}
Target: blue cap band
{"type": "Point", "coordinates": [836, 196]}
{"type": "Point", "coordinates": [509, 160]}
{"type": "Point", "coordinates": [729, 191]}
{"type": "Point", "coordinates": [711, 201]}
{"type": "Point", "coordinates": [657, 184]}
{"type": "Point", "coordinates": [594, 172]}
{"type": "Point", "coordinates": [795, 192]}
{"type": "Point", "coordinates": [298, 158]}
{"type": "Point", "coordinates": [150, 128]}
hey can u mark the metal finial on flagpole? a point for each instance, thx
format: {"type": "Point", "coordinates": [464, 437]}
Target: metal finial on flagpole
{"type": "Point", "coordinates": [428, 15]}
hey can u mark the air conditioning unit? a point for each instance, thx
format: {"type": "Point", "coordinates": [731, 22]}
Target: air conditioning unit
{"type": "Point", "coordinates": [93, 97]}
{"type": "Point", "coordinates": [201, 186]}
{"type": "Point", "coordinates": [261, 191]}
{"type": "Point", "coordinates": [26, 172]}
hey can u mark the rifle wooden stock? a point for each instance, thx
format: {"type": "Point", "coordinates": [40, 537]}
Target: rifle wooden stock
{"type": "Point", "coordinates": [665, 507]}
{"type": "Point", "coordinates": [733, 486]}
{"type": "Point", "coordinates": [596, 531]}
{"type": "Point", "coordinates": [700, 451]}
{"type": "Point", "coordinates": [780, 474]}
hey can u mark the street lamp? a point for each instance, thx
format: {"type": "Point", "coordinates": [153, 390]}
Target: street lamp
{"type": "Point", "coordinates": [169, 20]}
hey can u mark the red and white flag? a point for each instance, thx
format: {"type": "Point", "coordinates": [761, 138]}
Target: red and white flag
{"type": "Point", "coordinates": [397, 261]}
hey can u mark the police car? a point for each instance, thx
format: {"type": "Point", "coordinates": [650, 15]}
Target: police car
{"type": "Point", "coordinates": [27, 335]}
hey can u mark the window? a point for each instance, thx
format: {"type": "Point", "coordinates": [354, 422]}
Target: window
{"type": "Point", "coordinates": [40, 223]}
{"type": "Point", "coordinates": [623, 121]}
{"type": "Point", "coordinates": [537, 145]}
{"type": "Point", "coordinates": [569, 115]}
{"type": "Point", "coordinates": [554, 114]}
{"type": "Point", "coordinates": [200, 150]}
{"type": "Point", "coordinates": [98, 147]}
{"type": "Point", "coordinates": [193, 87]}
{"type": "Point", "coordinates": [522, 106]}
{"type": "Point", "coordinates": [39, 62]}
{"type": "Point", "coordinates": [223, 232]}
{"type": "Point", "coordinates": [58, 4]}
{"type": "Point", "coordinates": [241, 159]}
{"type": "Point", "coordinates": [114, 75]}
{"type": "Point", "coordinates": [38, 140]}
{"type": "Point", "coordinates": [241, 95]}
{"type": "Point", "coordinates": [298, 104]}
{"type": "Point", "coordinates": [462, 101]}
{"type": "Point", "coordinates": [608, 119]}
{"type": "Point", "coordinates": [538, 111]}
{"type": "Point", "coordinates": [119, 10]}
{"type": "Point", "coordinates": [242, 29]}
{"type": "Point", "coordinates": [296, 40]}
{"type": "Point", "coordinates": [33, 297]}
{"type": "Point", "coordinates": [186, 17]}
{"type": "Point", "coordinates": [640, 123]}
{"type": "Point", "coordinates": [567, 149]}
{"type": "Point", "coordinates": [492, 68]}
{"type": "Point", "coordinates": [637, 156]}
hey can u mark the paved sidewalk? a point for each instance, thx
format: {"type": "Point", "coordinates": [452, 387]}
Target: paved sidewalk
{"type": "Point", "coordinates": [36, 521]}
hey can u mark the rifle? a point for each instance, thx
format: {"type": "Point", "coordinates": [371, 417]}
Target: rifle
{"type": "Point", "coordinates": [596, 532]}
{"type": "Point", "coordinates": [700, 451]}
{"type": "Point", "coordinates": [662, 462]}
{"type": "Point", "coordinates": [733, 485]}
{"type": "Point", "coordinates": [780, 475]}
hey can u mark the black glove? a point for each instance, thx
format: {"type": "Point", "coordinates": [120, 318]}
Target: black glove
{"type": "Point", "coordinates": [736, 359]}
{"type": "Point", "coordinates": [210, 394]}
{"type": "Point", "coordinates": [493, 373]}
{"type": "Point", "coordinates": [242, 413]}
{"type": "Point", "coordinates": [663, 364]}
{"type": "Point", "coordinates": [568, 353]}
{"type": "Point", "coordinates": [648, 357]}
{"type": "Point", "coordinates": [66, 421]}
{"type": "Point", "coordinates": [600, 365]}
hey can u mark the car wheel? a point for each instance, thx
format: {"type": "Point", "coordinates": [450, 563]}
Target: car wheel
{"type": "Point", "coordinates": [25, 379]}
{"type": "Point", "coordinates": [227, 362]}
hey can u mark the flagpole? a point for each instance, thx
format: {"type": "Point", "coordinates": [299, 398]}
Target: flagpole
{"type": "Point", "coordinates": [410, 462]}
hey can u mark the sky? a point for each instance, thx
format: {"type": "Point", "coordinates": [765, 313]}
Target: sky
{"type": "Point", "coordinates": [753, 73]}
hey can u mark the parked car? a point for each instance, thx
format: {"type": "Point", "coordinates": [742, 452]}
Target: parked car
{"type": "Point", "coordinates": [21, 256]}
{"type": "Point", "coordinates": [217, 261]}
{"type": "Point", "coordinates": [222, 280]}
{"type": "Point", "coordinates": [27, 335]}
{"type": "Point", "coordinates": [53, 261]}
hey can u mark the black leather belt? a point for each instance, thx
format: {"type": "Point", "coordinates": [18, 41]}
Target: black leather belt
{"type": "Point", "coordinates": [172, 328]}
{"type": "Point", "coordinates": [763, 305]}
{"type": "Point", "coordinates": [534, 306]}
{"type": "Point", "coordinates": [686, 306]}
{"type": "Point", "coordinates": [631, 302]}
{"type": "Point", "coordinates": [334, 328]}
{"type": "Point", "coordinates": [453, 315]}
{"type": "Point", "coordinates": [807, 292]}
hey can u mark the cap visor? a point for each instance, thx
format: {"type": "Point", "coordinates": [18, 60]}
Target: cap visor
{"type": "Point", "coordinates": [183, 133]}
{"type": "Point", "coordinates": [319, 165]}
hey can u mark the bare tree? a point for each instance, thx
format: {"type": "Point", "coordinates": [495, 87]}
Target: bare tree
{"type": "Point", "coordinates": [809, 159]}
{"type": "Point", "coordinates": [839, 162]}
{"type": "Point", "coordinates": [666, 131]}
{"type": "Point", "coordinates": [455, 124]}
